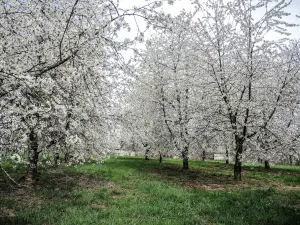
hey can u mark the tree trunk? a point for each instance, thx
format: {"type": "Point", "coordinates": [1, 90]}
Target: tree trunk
{"type": "Point", "coordinates": [33, 156]}
{"type": "Point", "coordinates": [291, 160]}
{"type": "Point", "coordinates": [238, 163]}
{"type": "Point", "coordinates": [227, 156]}
{"type": "Point", "coordinates": [185, 164]}
{"type": "Point", "coordinates": [238, 170]}
{"type": "Point", "coordinates": [56, 158]}
{"type": "Point", "coordinates": [259, 160]}
{"type": "Point", "coordinates": [67, 157]}
{"type": "Point", "coordinates": [147, 154]}
{"type": "Point", "coordinates": [147, 151]}
{"type": "Point", "coordinates": [267, 164]}
{"type": "Point", "coordinates": [203, 155]}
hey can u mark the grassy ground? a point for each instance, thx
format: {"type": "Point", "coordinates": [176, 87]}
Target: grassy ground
{"type": "Point", "coordinates": [135, 191]}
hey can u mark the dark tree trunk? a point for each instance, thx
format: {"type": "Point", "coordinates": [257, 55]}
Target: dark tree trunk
{"type": "Point", "coordinates": [160, 158]}
{"type": "Point", "coordinates": [33, 156]}
{"type": "Point", "coordinates": [67, 157]}
{"type": "Point", "coordinates": [147, 154]}
{"type": "Point", "coordinates": [291, 160]}
{"type": "Point", "coordinates": [147, 151]}
{"type": "Point", "coordinates": [238, 170]}
{"type": "Point", "coordinates": [238, 163]}
{"type": "Point", "coordinates": [203, 155]}
{"type": "Point", "coordinates": [56, 158]}
{"type": "Point", "coordinates": [185, 164]}
{"type": "Point", "coordinates": [267, 164]}
{"type": "Point", "coordinates": [67, 127]}
{"type": "Point", "coordinates": [227, 156]}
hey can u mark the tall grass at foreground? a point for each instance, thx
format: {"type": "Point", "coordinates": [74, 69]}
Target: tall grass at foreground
{"type": "Point", "coordinates": [136, 191]}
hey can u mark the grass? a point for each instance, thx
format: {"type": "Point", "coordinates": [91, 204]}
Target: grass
{"type": "Point", "coordinates": [134, 191]}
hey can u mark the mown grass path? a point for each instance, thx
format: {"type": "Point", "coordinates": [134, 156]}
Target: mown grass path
{"type": "Point", "coordinates": [135, 191]}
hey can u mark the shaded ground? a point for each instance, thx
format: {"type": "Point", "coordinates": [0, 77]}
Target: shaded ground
{"type": "Point", "coordinates": [135, 191]}
{"type": "Point", "coordinates": [212, 175]}
{"type": "Point", "coordinates": [199, 179]}
{"type": "Point", "coordinates": [221, 179]}
{"type": "Point", "coordinates": [53, 185]}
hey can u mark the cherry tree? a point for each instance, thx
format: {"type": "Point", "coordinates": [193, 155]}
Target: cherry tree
{"type": "Point", "coordinates": [58, 65]}
{"type": "Point", "coordinates": [244, 80]}
{"type": "Point", "coordinates": [165, 70]}
{"type": "Point", "coordinates": [247, 78]}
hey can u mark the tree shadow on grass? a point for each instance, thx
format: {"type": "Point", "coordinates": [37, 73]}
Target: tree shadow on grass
{"type": "Point", "coordinates": [262, 206]}
{"type": "Point", "coordinates": [13, 221]}
{"type": "Point", "coordinates": [60, 184]}
{"type": "Point", "coordinates": [200, 179]}
{"type": "Point", "coordinates": [55, 190]}
{"type": "Point", "coordinates": [281, 177]}
{"type": "Point", "coordinates": [276, 171]}
{"type": "Point", "coordinates": [53, 179]}
{"type": "Point", "coordinates": [210, 175]}
{"type": "Point", "coordinates": [7, 211]}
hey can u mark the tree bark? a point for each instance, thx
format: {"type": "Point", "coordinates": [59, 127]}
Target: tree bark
{"type": "Point", "coordinates": [259, 160]}
{"type": "Point", "coordinates": [238, 163]}
{"type": "Point", "coordinates": [67, 157]}
{"type": "Point", "coordinates": [160, 158]}
{"type": "Point", "coordinates": [146, 156]}
{"type": "Point", "coordinates": [238, 170]}
{"type": "Point", "coordinates": [185, 164]}
{"type": "Point", "coordinates": [33, 156]}
{"type": "Point", "coordinates": [291, 160]}
{"type": "Point", "coordinates": [267, 164]}
{"type": "Point", "coordinates": [203, 155]}
{"type": "Point", "coordinates": [147, 151]}
{"type": "Point", "coordinates": [56, 158]}
{"type": "Point", "coordinates": [227, 156]}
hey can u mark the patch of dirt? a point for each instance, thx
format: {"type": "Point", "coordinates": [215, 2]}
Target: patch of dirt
{"type": "Point", "coordinates": [6, 187]}
{"type": "Point", "coordinates": [113, 186]}
{"type": "Point", "coordinates": [282, 187]}
{"type": "Point", "coordinates": [90, 183]}
{"type": "Point", "coordinates": [200, 179]}
{"type": "Point", "coordinates": [99, 205]}
{"type": "Point", "coordinates": [297, 206]}
{"type": "Point", "coordinates": [272, 171]}
{"type": "Point", "coordinates": [7, 212]}
{"type": "Point", "coordinates": [21, 196]}
{"type": "Point", "coordinates": [53, 181]}
{"type": "Point", "coordinates": [60, 180]}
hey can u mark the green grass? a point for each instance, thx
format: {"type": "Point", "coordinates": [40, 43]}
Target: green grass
{"type": "Point", "coordinates": [135, 191]}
